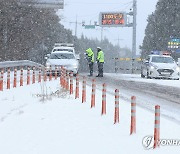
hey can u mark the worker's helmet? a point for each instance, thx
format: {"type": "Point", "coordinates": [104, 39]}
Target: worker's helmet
{"type": "Point", "coordinates": [99, 48]}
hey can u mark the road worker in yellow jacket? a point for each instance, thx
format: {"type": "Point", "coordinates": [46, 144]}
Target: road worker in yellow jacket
{"type": "Point", "coordinates": [100, 61]}
{"type": "Point", "coordinates": [90, 59]}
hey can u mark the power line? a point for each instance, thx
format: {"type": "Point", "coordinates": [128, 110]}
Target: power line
{"type": "Point", "coordinates": [123, 6]}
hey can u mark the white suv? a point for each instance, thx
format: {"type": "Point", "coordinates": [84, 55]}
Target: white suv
{"type": "Point", "coordinates": [62, 58]}
{"type": "Point", "coordinates": [160, 66]}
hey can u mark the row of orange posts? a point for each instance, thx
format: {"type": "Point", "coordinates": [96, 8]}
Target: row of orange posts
{"type": "Point", "coordinates": [21, 79]}
{"type": "Point", "coordinates": [65, 76]}
{"type": "Point", "coordinates": [65, 82]}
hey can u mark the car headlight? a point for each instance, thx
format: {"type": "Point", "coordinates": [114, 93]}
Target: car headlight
{"type": "Point", "coordinates": [177, 69]}
{"type": "Point", "coordinates": [48, 65]}
{"type": "Point", "coordinates": [153, 67]}
{"type": "Point", "coordinates": [74, 65]}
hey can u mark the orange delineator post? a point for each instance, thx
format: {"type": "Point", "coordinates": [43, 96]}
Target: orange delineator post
{"type": "Point", "coordinates": [77, 87]}
{"type": "Point", "coordinates": [50, 74]}
{"type": "Point", "coordinates": [55, 74]}
{"type": "Point", "coordinates": [8, 78]}
{"type": "Point", "coordinates": [60, 79]}
{"type": "Point", "coordinates": [45, 74]}
{"type": "Point", "coordinates": [39, 78]}
{"type": "Point", "coordinates": [28, 75]}
{"type": "Point", "coordinates": [21, 77]}
{"type": "Point", "coordinates": [1, 80]}
{"type": "Point", "coordinates": [84, 90]}
{"type": "Point", "coordinates": [157, 126]}
{"type": "Point", "coordinates": [71, 83]}
{"type": "Point", "coordinates": [93, 93]}
{"type": "Point", "coordinates": [116, 113]}
{"type": "Point", "coordinates": [15, 78]}
{"type": "Point", "coordinates": [33, 76]}
{"type": "Point", "coordinates": [64, 78]}
{"type": "Point", "coordinates": [103, 112]}
{"type": "Point", "coordinates": [61, 73]}
{"type": "Point", "coordinates": [67, 81]}
{"type": "Point", "coordinates": [133, 115]}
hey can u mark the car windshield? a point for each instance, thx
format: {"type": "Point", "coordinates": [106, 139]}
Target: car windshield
{"type": "Point", "coordinates": [162, 60]}
{"type": "Point", "coordinates": [62, 56]}
{"type": "Point", "coordinates": [69, 50]}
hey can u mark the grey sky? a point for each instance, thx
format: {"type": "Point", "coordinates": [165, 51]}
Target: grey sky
{"type": "Point", "coordinates": [89, 11]}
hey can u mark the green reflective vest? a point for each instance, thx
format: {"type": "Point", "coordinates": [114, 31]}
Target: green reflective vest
{"type": "Point", "coordinates": [90, 54]}
{"type": "Point", "coordinates": [100, 56]}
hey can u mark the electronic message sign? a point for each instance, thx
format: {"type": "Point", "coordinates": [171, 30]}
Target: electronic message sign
{"type": "Point", "coordinates": [112, 19]}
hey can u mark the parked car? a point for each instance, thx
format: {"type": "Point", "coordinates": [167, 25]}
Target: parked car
{"type": "Point", "coordinates": [160, 66]}
{"type": "Point", "coordinates": [62, 58]}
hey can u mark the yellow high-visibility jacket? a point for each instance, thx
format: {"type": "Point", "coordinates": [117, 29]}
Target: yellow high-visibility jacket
{"type": "Point", "coordinates": [90, 54]}
{"type": "Point", "coordinates": [100, 56]}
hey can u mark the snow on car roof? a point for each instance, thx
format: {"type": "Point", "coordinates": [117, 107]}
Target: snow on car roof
{"type": "Point", "coordinates": [61, 47]}
{"type": "Point", "coordinates": [62, 52]}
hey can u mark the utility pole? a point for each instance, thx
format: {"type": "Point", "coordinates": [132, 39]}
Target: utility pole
{"type": "Point", "coordinates": [134, 33]}
{"type": "Point", "coordinates": [76, 23]}
{"type": "Point", "coordinates": [119, 41]}
{"type": "Point", "coordinates": [101, 34]}
{"type": "Point", "coordinates": [76, 27]}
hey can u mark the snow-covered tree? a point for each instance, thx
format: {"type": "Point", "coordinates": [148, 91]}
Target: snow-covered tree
{"type": "Point", "coordinates": [162, 24]}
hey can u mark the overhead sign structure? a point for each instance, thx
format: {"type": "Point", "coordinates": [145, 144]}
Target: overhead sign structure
{"type": "Point", "coordinates": [47, 4]}
{"type": "Point", "coordinates": [112, 19]}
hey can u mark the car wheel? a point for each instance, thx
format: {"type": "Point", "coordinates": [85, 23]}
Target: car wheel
{"type": "Point", "coordinates": [75, 74]}
{"type": "Point", "coordinates": [142, 76]}
{"type": "Point", "coordinates": [148, 77]}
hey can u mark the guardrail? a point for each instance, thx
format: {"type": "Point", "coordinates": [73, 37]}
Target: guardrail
{"type": "Point", "coordinates": [7, 64]}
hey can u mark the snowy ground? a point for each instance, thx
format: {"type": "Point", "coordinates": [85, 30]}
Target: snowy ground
{"type": "Point", "coordinates": [61, 124]}
{"type": "Point", "coordinates": [137, 78]}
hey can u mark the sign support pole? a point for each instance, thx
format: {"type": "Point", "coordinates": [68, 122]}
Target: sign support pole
{"type": "Point", "coordinates": [134, 33]}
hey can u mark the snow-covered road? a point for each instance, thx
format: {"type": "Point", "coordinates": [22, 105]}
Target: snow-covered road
{"type": "Point", "coordinates": [62, 124]}
{"type": "Point", "coordinates": [149, 92]}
